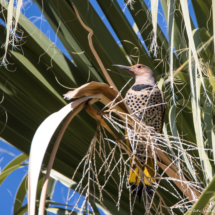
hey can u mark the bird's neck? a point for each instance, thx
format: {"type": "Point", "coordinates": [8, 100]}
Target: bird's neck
{"type": "Point", "coordinates": [146, 80]}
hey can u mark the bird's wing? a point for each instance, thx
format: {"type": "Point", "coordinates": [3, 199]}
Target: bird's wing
{"type": "Point", "coordinates": [163, 107]}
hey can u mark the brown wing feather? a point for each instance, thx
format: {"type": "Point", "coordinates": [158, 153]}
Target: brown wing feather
{"type": "Point", "coordinates": [164, 108]}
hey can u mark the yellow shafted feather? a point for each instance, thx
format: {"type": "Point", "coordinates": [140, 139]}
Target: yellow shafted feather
{"type": "Point", "coordinates": [135, 175]}
{"type": "Point", "coordinates": [149, 172]}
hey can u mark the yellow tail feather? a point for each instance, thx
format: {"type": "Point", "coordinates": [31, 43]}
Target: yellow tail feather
{"type": "Point", "coordinates": [149, 172]}
{"type": "Point", "coordinates": [134, 175]}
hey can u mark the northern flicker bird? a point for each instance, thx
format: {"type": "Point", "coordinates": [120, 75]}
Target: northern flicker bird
{"type": "Point", "coordinates": [147, 101]}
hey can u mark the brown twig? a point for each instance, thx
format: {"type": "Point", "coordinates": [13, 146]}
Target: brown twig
{"type": "Point", "coordinates": [108, 78]}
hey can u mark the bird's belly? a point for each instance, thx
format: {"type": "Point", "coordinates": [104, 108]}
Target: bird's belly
{"type": "Point", "coordinates": [147, 105]}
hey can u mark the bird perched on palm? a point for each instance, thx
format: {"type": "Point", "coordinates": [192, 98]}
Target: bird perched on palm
{"type": "Point", "coordinates": [146, 100]}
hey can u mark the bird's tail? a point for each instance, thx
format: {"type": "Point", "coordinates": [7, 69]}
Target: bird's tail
{"type": "Point", "coordinates": [134, 179]}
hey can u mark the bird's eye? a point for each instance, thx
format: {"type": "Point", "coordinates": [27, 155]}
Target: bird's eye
{"type": "Point", "coordinates": [138, 66]}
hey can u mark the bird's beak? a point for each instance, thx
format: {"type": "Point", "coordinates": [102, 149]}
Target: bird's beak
{"type": "Point", "coordinates": [127, 68]}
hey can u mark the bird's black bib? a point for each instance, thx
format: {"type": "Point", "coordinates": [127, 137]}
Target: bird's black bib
{"type": "Point", "coordinates": [140, 87]}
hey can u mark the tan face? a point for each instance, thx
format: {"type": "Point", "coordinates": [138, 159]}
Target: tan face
{"type": "Point", "coordinates": [141, 73]}
{"type": "Point", "coordinates": [140, 70]}
{"type": "Point", "coordinates": [137, 70]}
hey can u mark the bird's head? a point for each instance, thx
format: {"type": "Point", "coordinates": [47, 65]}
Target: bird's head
{"type": "Point", "coordinates": [142, 74]}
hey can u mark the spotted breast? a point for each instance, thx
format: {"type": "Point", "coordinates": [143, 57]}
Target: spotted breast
{"type": "Point", "coordinates": [147, 102]}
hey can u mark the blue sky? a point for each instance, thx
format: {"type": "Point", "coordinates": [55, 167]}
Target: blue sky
{"type": "Point", "coordinates": [10, 185]}
{"type": "Point", "coordinates": [8, 152]}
